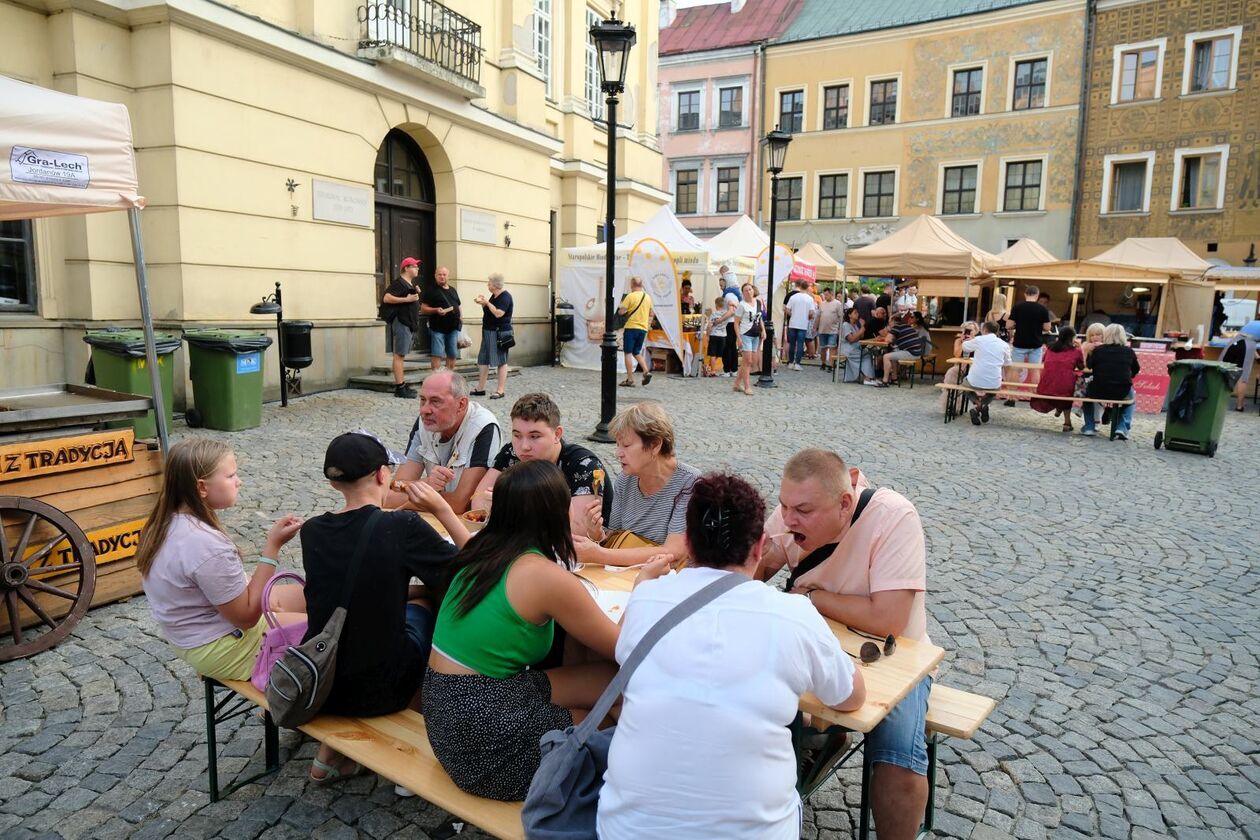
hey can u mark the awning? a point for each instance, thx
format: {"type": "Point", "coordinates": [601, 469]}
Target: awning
{"type": "Point", "coordinates": [924, 248]}
{"type": "Point", "coordinates": [1161, 253]}
{"type": "Point", "coordinates": [940, 287]}
{"type": "Point", "coordinates": [1080, 271]}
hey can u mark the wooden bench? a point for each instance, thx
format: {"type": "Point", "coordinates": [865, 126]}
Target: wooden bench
{"type": "Point", "coordinates": [956, 402]}
{"type": "Point", "coordinates": [393, 746]}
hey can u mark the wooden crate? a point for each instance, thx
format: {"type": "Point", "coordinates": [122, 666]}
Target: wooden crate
{"type": "Point", "coordinates": [109, 496]}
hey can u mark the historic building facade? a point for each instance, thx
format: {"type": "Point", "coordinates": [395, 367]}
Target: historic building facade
{"type": "Point", "coordinates": [317, 143]}
{"type": "Point", "coordinates": [967, 110]}
{"type": "Point", "coordinates": [1172, 132]}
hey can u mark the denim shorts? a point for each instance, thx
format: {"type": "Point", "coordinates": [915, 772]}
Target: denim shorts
{"type": "Point", "coordinates": [826, 340]}
{"type": "Point", "coordinates": [444, 344]}
{"type": "Point", "coordinates": [1032, 355]}
{"type": "Point", "coordinates": [418, 625]}
{"type": "Point", "coordinates": [750, 343]}
{"type": "Point", "coordinates": [399, 338]}
{"type": "Point", "coordinates": [632, 341]}
{"type": "Point", "coordinates": [900, 739]}
{"type": "Point", "coordinates": [489, 353]}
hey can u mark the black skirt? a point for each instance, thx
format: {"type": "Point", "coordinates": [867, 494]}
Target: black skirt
{"type": "Point", "coordinates": [485, 731]}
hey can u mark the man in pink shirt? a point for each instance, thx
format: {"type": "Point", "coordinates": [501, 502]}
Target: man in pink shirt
{"type": "Point", "coordinates": [858, 554]}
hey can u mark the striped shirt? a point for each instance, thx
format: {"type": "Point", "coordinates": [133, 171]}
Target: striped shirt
{"type": "Point", "coordinates": [907, 338]}
{"type": "Point", "coordinates": [657, 516]}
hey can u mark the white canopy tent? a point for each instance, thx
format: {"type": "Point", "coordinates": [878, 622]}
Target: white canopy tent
{"type": "Point", "coordinates": [661, 252]}
{"type": "Point", "coordinates": [742, 239]}
{"type": "Point", "coordinates": [66, 155]}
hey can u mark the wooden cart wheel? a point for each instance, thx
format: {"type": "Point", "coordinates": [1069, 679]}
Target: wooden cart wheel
{"type": "Point", "coordinates": [56, 588]}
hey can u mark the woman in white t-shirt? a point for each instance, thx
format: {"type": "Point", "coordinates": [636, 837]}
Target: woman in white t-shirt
{"type": "Point", "coordinates": [702, 746]}
{"type": "Point", "coordinates": [752, 331]}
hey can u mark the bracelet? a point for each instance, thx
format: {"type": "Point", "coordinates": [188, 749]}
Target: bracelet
{"type": "Point", "coordinates": [275, 564]}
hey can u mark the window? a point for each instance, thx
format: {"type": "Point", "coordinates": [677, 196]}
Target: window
{"type": "Point", "coordinates": [968, 84]}
{"type": "Point", "coordinates": [1022, 189]}
{"type": "Point", "coordinates": [594, 96]}
{"type": "Point", "coordinates": [833, 196]}
{"type": "Point", "coordinates": [1199, 178]}
{"type": "Point", "coordinates": [542, 40]}
{"type": "Point", "coordinates": [878, 193]}
{"type": "Point", "coordinates": [883, 102]}
{"type": "Point", "coordinates": [730, 107]}
{"type": "Point", "coordinates": [686, 189]}
{"type": "Point", "coordinates": [1126, 186]}
{"type": "Point", "coordinates": [1138, 73]}
{"type": "Point", "coordinates": [792, 111]}
{"type": "Point", "coordinates": [17, 266]}
{"type": "Point", "coordinates": [688, 110]}
{"type": "Point", "coordinates": [958, 190]}
{"type": "Point", "coordinates": [727, 189]}
{"type": "Point", "coordinates": [1211, 59]}
{"type": "Point", "coordinates": [1030, 84]}
{"type": "Point", "coordinates": [788, 204]}
{"type": "Point", "coordinates": [835, 107]}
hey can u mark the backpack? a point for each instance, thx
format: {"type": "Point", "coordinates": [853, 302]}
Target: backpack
{"type": "Point", "coordinates": [302, 678]}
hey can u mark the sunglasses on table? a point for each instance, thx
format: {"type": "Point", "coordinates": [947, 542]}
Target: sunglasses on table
{"type": "Point", "coordinates": [870, 651]}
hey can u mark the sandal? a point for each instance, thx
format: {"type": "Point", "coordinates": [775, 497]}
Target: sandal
{"type": "Point", "coordinates": [497, 395]}
{"type": "Point", "coordinates": [477, 393]}
{"type": "Point", "coordinates": [647, 377]}
{"type": "Point", "coordinates": [628, 383]}
{"type": "Point", "coordinates": [331, 773]}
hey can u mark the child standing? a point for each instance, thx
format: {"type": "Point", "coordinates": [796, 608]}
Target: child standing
{"type": "Point", "coordinates": [204, 604]}
{"type": "Point", "coordinates": [717, 320]}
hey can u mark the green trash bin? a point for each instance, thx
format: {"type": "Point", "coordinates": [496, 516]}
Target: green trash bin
{"type": "Point", "coordinates": [1198, 397]}
{"type": "Point", "coordinates": [119, 364]}
{"type": "Point", "coordinates": [226, 368]}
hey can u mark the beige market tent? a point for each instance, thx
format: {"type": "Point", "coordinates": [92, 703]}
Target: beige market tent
{"type": "Point", "coordinates": [1025, 252]}
{"type": "Point", "coordinates": [816, 255]}
{"type": "Point", "coordinates": [1164, 253]}
{"type": "Point", "coordinates": [66, 155]}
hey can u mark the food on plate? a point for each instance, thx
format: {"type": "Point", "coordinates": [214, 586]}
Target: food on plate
{"type": "Point", "coordinates": [476, 515]}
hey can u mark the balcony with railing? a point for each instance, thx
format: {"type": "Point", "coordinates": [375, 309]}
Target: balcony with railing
{"type": "Point", "coordinates": [428, 37]}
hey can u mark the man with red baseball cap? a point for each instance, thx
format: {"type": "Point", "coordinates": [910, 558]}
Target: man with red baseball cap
{"type": "Point", "coordinates": [401, 311]}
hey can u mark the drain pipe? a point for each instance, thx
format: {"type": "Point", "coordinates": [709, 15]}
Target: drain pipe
{"type": "Point", "coordinates": [1074, 219]}
{"type": "Point", "coordinates": [759, 129]}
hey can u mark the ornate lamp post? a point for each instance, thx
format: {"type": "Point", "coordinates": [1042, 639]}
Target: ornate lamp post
{"type": "Point", "coordinates": [776, 143]}
{"type": "Point", "coordinates": [614, 40]}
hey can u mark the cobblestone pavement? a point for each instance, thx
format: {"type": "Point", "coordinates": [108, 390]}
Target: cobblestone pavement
{"type": "Point", "coordinates": [1104, 591]}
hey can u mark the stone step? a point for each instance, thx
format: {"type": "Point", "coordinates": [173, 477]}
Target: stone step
{"type": "Point", "coordinates": [382, 379]}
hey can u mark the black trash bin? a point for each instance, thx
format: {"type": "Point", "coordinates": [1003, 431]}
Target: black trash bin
{"type": "Point", "coordinates": [564, 321]}
{"type": "Point", "coordinates": [296, 344]}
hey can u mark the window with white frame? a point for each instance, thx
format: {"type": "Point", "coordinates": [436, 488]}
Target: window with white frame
{"type": "Point", "coordinates": [542, 40]}
{"type": "Point", "coordinates": [879, 194]}
{"type": "Point", "coordinates": [966, 94]}
{"type": "Point", "coordinates": [883, 99]}
{"type": "Point", "coordinates": [17, 266]}
{"type": "Point", "coordinates": [1211, 61]}
{"type": "Point", "coordinates": [728, 194]}
{"type": "Point", "coordinates": [731, 106]}
{"type": "Point", "coordinates": [1021, 186]}
{"type": "Point", "coordinates": [686, 191]}
{"type": "Point", "coordinates": [1138, 70]}
{"type": "Point", "coordinates": [1029, 90]}
{"type": "Point", "coordinates": [1199, 178]}
{"type": "Point", "coordinates": [833, 196]}
{"type": "Point", "coordinates": [835, 107]}
{"type": "Point", "coordinates": [790, 194]}
{"type": "Point", "coordinates": [1126, 184]}
{"type": "Point", "coordinates": [688, 111]}
{"type": "Point", "coordinates": [792, 111]}
{"type": "Point", "coordinates": [594, 96]}
{"type": "Point", "coordinates": [958, 189]}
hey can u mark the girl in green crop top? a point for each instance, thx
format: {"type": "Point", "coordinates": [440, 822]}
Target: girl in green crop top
{"type": "Point", "coordinates": [484, 707]}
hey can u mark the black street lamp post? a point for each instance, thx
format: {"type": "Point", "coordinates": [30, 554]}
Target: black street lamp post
{"type": "Point", "coordinates": [614, 40]}
{"type": "Point", "coordinates": [776, 150]}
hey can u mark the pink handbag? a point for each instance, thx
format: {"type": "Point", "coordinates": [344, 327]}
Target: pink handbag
{"type": "Point", "coordinates": [278, 637]}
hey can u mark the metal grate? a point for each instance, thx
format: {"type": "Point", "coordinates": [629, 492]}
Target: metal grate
{"type": "Point", "coordinates": [426, 29]}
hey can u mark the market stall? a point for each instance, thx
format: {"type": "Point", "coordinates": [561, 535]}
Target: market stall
{"type": "Point", "coordinates": [829, 273]}
{"type": "Point", "coordinates": [75, 488]}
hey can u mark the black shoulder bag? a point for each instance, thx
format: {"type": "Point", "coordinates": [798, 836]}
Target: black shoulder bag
{"type": "Point", "coordinates": [818, 555]}
{"type": "Point", "coordinates": [619, 320]}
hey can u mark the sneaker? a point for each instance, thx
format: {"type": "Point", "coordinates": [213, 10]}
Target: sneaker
{"type": "Point", "coordinates": [984, 413]}
{"type": "Point", "coordinates": [796, 367]}
{"type": "Point", "coordinates": [403, 792]}
{"type": "Point", "coordinates": [871, 382]}
{"type": "Point", "coordinates": [1088, 432]}
{"type": "Point", "coordinates": [975, 416]}
{"type": "Point", "coordinates": [1121, 436]}
{"type": "Point", "coordinates": [405, 392]}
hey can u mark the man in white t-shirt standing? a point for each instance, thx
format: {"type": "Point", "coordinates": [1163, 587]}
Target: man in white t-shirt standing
{"type": "Point", "coordinates": [989, 355]}
{"type": "Point", "coordinates": [799, 312]}
{"type": "Point", "coordinates": [860, 557]}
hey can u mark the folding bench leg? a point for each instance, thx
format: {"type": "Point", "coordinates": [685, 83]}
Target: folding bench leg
{"type": "Point", "coordinates": [223, 710]}
{"type": "Point", "coordinates": [864, 807]}
{"type": "Point", "coordinates": [929, 816]}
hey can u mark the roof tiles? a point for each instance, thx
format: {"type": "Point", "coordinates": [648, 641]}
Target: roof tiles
{"type": "Point", "coordinates": [829, 18]}
{"type": "Point", "coordinates": [714, 27]}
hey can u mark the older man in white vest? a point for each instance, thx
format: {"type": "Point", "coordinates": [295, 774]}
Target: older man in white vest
{"type": "Point", "coordinates": [455, 446]}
